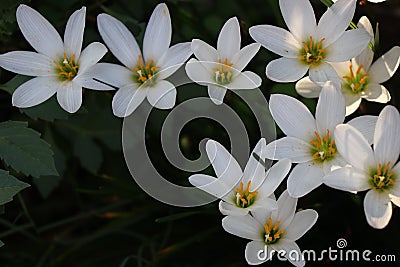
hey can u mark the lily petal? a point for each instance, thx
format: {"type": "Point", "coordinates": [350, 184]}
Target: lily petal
{"type": "Point", "coordinates": [229, 39]}
{"type": "Point", "coordinates": [157, 37]}
{"type": "Point", "coordinates": [274, 177]}
{"type": "Point", "coordinates": [377, 93]}
{"type": "Point", "coordinates": [73, 35]}
{"type": "Point", "coordinates": [302, 222]}
{"type": "Point", "coordinates": [112, 74]}
{"type": "Point", "coordinates": [216, 93]}
{"type": "Point", "coordinates": [292, 148]}
{"type": "Point", "coordinates": [385, 66]}
{"type": "Point", "coordinates": [243, 57]}
{"type": "Point", "coordinates": [69, 96]}
{"type": "Point", "coordinates": [323, 73]}
{"type": "Point", "coordinates": [28, 63]}
{"type": "Point", "coordinates": [204, 51]}
{"type": "Point", "coordinates": [304, 178]}
{"type": "Point", "coordinates": [307, 88]}
{"type": "Point", "coordinates": [162, 95]}
{"type": "Point", "coordinates": [198, 73]}
{"type": "Point", "coordinates": [254, 253]}
{"type": "Point", "coordinates": [353, 101]}
{"type": "Point", "coordinates": [35, 91]}
{"type": "Point", "coordinates": [348, 179]}
{"type": "Point", "coordinates": [243, 226]}
{"type": "Point", "coordinates": [293, 253]}
{"type": "Point", "coordinates": [365, 125]}
{"type": "Point", "coordinates": [38, 31]}
{"type": "Point", "coordinates": [171, 61]}
{"type": "Point", "coordinates": [119, 40]}
{"type": "Point", "coordinates": [245, 80]}
{"type": "Point", "coordinates": [91, 55]}
{"type": "Point", "coordinates": [286, 209]}
{"type": "Point", "coordinates": [285, 70]}
{"type": "Point", "coordinates": [377, 208]}
{"type": "Point", "coordinates": [127, 99]}
{"type": "Point", "coordinates": [292, 116]}
{"type": "Point", "coordinates": [231, 209]}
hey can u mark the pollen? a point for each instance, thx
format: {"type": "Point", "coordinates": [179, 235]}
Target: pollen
{"type": "Point", "coordinates": [323, 148]}
{"type": "Point", "coordinates": [312, 52]}
{"type": "Point", "coordinates": [144, 72]}
{"type": "Point", "coordinates": [356, 82]}
{"type": "Point", "coordinates": [223, 72]}
{"type": "Point", "coordinates": [243, 197]}
{"type": "Point", "coordinates": [272, 233]}
{"type": "Point", "coordinates": [66, 68]}
{"type": "Point", "coordinates": [382, 178]}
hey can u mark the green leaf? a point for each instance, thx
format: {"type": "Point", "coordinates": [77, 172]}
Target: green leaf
{"type": "Point", "coordinates": [22, 149]}
{"type": "Point", "coordinates": [12, 84]}
{"type": "Point", "coordinates": [9, 187]}
{"type": "Point", "coordinates": [89, 153]}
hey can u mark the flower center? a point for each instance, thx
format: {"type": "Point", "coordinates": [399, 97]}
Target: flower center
{"type": "Point", "coordinates": [67, 68]}
{"type": "Point", "coordinates": [245, 198]}
{"type": "Point", "coordinates": [381, 178]}
{"type": "Point", "coordinates": [272, 232]}
{"type": "Point", "coordinates": [223, 73]}
{"type": "Point", "coordinates": [144, 73]}
{"type": "Point", "coordinates": [356, 82]}
{"type": "Point", "coordinates": [323, 148]}
{"type": "Point", "coordinates": [312, 53]}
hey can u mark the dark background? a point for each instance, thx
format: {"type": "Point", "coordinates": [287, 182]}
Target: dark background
{"type": "Point", "coordinates": [95, 215]}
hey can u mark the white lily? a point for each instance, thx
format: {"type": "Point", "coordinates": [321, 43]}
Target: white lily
{"type": "Point", "coordinates": [311, 142]}
{"type": "Point", "coordinates": [241, 191]}
{"type": "Point", "coordinates": [273, 231]}
{"type": "Point", "coordinates": [371, 169]}
{"type": "Point", "coordinates": [309, 46]}
{"type": "Point", "coordinates": [221, 69]}
{"type": "Point", "coordinates": [143, 75]}
{"type": "Point", "coordinates": [60, 66]}
{"type": "Point", "coordinates": [359, 78]}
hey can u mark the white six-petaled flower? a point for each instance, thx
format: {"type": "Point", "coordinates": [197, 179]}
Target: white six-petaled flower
{"type": "Point", "coordinates": [143, 75]}
{"type": "Point", "coordinates": [360, 78]}
{"type": "Point", "coordinates": [221, 69]}
{"type": "Point", "coordinates": [308, 46]}
{"type": "Point", "coordinates": [241, 191]}
{"type": "Point", "coordinates": [311, 142]}
{"type": "Point", "coordinates": [371, 169]}
{"type": "Point", "coordinates": [60, 66]}
{"type": "Point", "coordinates": [272, 231]}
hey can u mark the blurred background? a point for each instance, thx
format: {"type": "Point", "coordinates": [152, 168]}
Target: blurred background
{"type": "Point", "coordinates": [94, 214]}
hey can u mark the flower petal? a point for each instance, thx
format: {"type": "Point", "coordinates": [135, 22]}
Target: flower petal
{"type": "Point", "coordinates": [385, 66]}
{"type": "Point", "coordinates": [243, 226]}
{"type": "Point", "coordinates": [299, 17]}
{"type": "Point", "coordinates": [277, 40]}
{"type": "Point", "coordinates": [243, 57]}
{"type": "Point", "coordinates": [113, 74]}
{"type": "Point", "coordinates": [377, 208]}
{"type": "Point", "coordinates": [353, 40]}
{"type": "Point", "coordinates": [87, 80]}
{"type": "Point", "coordinates": [377, 93]}
{"type": "Point", "coordinates": [257, 252]}
{"type": "Point", "coordinates": [293, 253]}
{"type": "Point", "coordinates": [198, 73]}
{"type": "Point", "coordinates": [302, 222]}
{"type": "Point", "coordinates": [213, 186]}
{"type": "Point", "coordinates": [91, 55]}
{"type": "Point", "coordinates": [353, 146]}
{"type": "Point", "coordinates": [336, 163]}
{"type": "Point", "coordinates": [288, 147]}
{"type": "Point", "coordinates": [285, 70]}
{"type": "Point", "coordinates": [323, 73]}
{"type": "Point", "coordinates": [119, 40]}
{"type": "Point", "coordinates": [366, 25]}
{"type": "Point", "coordinates": [38, 31]}
{"type": "Point", "coordinates": [229, 39]}
{"type": "Point", "coordinates": [225, 166]}
{"type": "Point", "coordinates": [127, 99]}
{"type": "Point", "coordinates": [347, 179]}
{"type": "Point", "coordinates": [254, 171]}
{"type": "Point", "coordinates": [353, 101]}
{"type": "Point", "coordinates": [286, 209]}
{"type": "Point", "coordinates": [204, 51]}
{"type": "Point", "coordinates": [245, 80]}
{"type": "Point", "coordinates": [330, 110]}
{"type": "Point", "coordinates": [335, 21]}
{"type": "Point", "coordinates": [171, 61]}
{"type": "Point", "coordinates": [35, 91]}
{"type": "Point", "coordinates": [69, 96]}
{"type": "Point", "coordinates": [231, 209]}
{"type": "Point", "coordinates": [365, 125]}
{"type": "Point", "coordinates": [157, 37]}
{"type": "Point", "coordinates": [304, 178]}
{"type": "Point", "coordinates": [292, 117]}
{"type": "Point", "coordinates": [216, 93]}
{"type": "Point", "coordinates": [162, 95]}
{"type": "Point", "coordinates": [73, 35]}
{"type": "Point", "coordinates": [28, 63]}
{"type": "Point", "coordinates": [386, 136]}
{"type": "Point", "coordinates": [307, 88]}
{"type": "Point", "coordinates": [274, 177]}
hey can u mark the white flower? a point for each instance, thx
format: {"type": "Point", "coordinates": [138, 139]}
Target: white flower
{"type": "Point", "coordinates": [309, 46]}
{"type": "Point", "coordinates": [359, 79]}
{"type": "Point", "coordinates": [371, 169]}
{"type": "Point", "coordinates": [143, 75]}
{"type": "Point", "coordinates": [240, 191]}
{"type": "Point", "coordinates": [221, 68]}
{"type": "Point", "coordinates": [311, 142]}
{"type": "Point", "coordinates": [60, 66]}
{"type": "Point", "coordinates": [273, 230]}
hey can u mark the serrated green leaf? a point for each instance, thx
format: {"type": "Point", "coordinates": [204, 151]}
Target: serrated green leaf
{"type": "Point", "coordinates": [9, 187]}
{"type": "Point", "coordinates": [22, 149]}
